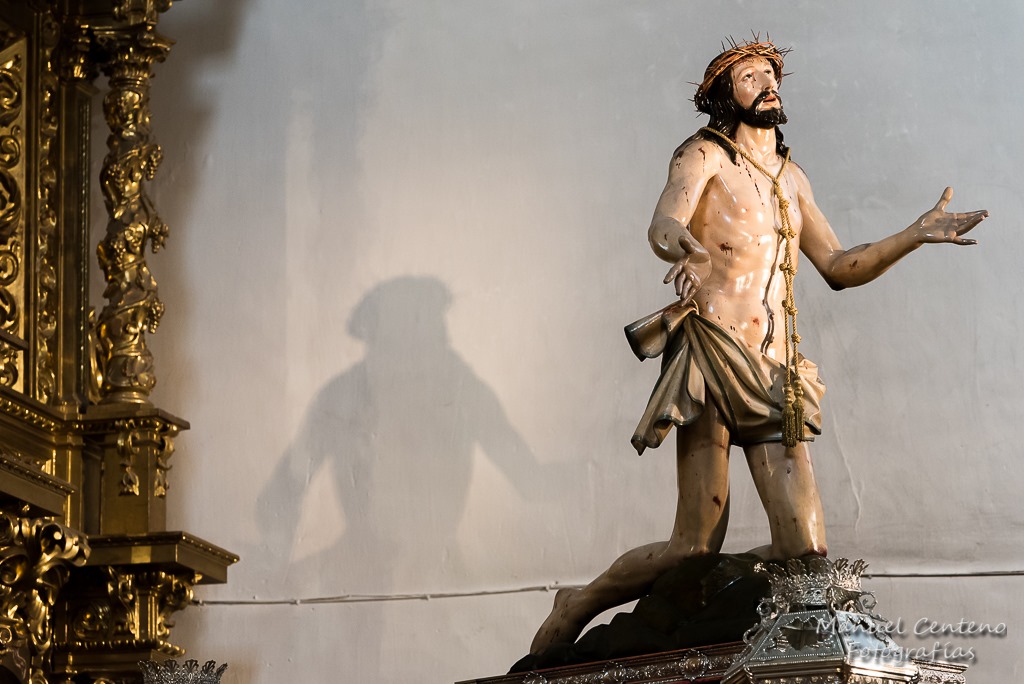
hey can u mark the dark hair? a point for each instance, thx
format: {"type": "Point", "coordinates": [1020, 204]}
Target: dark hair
{"type": "Point", "coordinates": [720, 104]}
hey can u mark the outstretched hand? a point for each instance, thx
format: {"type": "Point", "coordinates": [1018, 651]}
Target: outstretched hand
{"type": "Point", "coordinates": [938, 225]}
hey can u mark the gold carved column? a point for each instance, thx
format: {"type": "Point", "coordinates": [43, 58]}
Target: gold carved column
{"type": "Point", "coordinates": [89, 574]}
{"type": "Point", "coordinates": [117, 609]}
{"type": "Point", "coordinates": [133, 306]}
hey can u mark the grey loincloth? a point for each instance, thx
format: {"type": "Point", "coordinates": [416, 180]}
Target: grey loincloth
{"type": "Point", "coordinates": [700, 360]}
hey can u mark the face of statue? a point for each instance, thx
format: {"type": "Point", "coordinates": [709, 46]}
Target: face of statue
{"type": "Point", "coordinates": [755, 90]}
{"type": "Point", "coordinates": [751, 78]}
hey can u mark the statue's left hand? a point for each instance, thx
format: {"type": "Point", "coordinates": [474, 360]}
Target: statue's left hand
{"type": "Point", "coordinates": [938, 225]}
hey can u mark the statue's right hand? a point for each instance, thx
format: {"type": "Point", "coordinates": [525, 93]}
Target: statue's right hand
{"type": "Point", "coordinates": [689, 273]}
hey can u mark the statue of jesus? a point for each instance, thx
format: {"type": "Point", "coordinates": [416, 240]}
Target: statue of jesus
{"type": "Point", "coordinates": [733, 218]}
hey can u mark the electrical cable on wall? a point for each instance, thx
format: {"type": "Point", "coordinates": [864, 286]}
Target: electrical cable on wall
{"type": "Point", "coordinates": [380, 598]}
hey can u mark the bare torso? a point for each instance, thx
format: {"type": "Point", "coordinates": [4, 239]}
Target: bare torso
{"type": "Point", "coordinates": [737, 221]}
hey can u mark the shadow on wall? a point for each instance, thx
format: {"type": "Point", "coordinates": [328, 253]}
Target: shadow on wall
{"type": "Point", "coordinates": [397, 432]}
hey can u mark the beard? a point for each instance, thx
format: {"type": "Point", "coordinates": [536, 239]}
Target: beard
{"type": "Point", "coordinates": [764, 118]}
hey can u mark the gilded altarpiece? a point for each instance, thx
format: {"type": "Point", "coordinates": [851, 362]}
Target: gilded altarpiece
{"type": "Point", "coordinates": [89, 575]}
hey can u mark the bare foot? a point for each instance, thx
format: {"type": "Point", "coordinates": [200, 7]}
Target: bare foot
{"type": "Point", "coordinates": [561, 625]}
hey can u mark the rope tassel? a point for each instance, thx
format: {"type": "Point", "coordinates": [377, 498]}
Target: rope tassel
{"type": "Point", "coordinates": [793, 415]}
{"type": "Point", "coordinates": [789, 426]}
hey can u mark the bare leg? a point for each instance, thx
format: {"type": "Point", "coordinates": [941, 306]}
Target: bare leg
{"type": "Point", "coordinates": [702, 476]}
{"type": "Point", "coordinates": [785, 482]}
{"type": "Point", "coordinates": [702, 462]}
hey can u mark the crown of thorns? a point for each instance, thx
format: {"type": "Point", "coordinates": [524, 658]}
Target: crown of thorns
{"type": "Point", "coordinates": [732, 55]}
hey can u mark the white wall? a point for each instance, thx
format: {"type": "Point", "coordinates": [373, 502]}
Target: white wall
{"type": "Point", "coordinates": [405, 238]}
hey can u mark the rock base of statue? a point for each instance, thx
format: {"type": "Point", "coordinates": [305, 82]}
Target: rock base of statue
{"type": "Point", "coordinates": [803, 622]}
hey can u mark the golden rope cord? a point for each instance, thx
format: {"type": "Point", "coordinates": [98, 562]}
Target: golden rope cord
{"type": "Point", "coordinates": [793, 411]}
